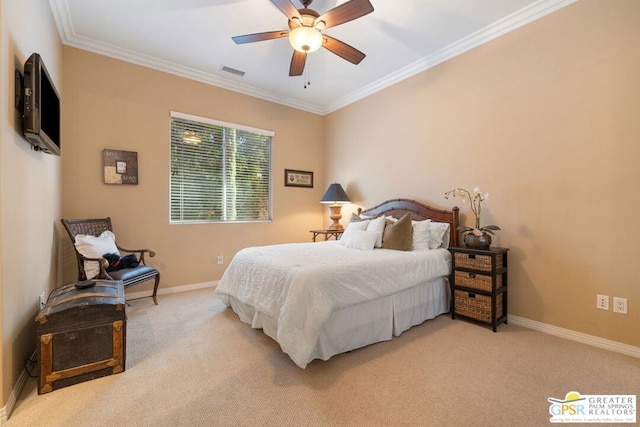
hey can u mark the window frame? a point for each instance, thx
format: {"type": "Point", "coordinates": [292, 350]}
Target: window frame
{"type": "Point", "coordinates": [228, 125]}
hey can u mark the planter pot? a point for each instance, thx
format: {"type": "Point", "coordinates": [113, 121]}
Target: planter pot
{"type": "Point", "coordinates": [477, 242]}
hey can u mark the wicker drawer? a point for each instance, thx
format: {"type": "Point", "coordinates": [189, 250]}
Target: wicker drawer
{"type": "Point", "coordinates": [481, 282]}
{"type": "Point", "coordinates": [477, 306]}
{"type": "Point", "coordinates": [476, 261]}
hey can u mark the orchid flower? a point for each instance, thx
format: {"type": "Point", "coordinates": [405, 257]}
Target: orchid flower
{"type": "Point", "coordinates": [475, 201]}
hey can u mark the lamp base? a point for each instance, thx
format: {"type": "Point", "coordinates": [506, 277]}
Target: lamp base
{"type": "Point", "coordinates": [335, 217]}
{"type": "Point", "coordinates": [335, 226]}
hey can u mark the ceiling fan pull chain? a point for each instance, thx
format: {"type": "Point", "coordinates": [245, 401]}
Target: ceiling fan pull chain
{"type": "Point", "coordinates": [305, 31]}
{"type": "Point", "coordinates": [308, 72]}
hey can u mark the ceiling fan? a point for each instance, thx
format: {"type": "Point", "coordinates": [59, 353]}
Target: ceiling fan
{"type": "Point", "coordinates": [305, 31]}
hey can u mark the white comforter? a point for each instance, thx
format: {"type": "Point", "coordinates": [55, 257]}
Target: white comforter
{"type": "Point", "coordinates": [301, 284]}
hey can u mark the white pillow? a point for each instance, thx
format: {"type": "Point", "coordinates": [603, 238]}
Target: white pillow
{"type": "Point", "coordinates": [421, 234]}
{"type": "Point", "coordinates": [377, 226]}
{"type": "Point", "coordinates": [439, 235]}
{"type": "Point", "coordinates": [360, 239]}
{"type": "Point", "coordinates": [94, 247]}
{"type": "Point", "coordinates": [351, 227]}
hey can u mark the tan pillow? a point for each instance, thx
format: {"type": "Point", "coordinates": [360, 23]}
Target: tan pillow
{"type": "Point", "coordinates": [398, 235]}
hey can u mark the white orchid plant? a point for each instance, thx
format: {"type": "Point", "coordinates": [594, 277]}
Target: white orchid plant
{"type": "Point", "coordinates": [475, 200]}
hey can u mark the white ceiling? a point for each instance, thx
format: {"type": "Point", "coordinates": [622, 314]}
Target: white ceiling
{"type": "Point", "coordinates": [192, 38]}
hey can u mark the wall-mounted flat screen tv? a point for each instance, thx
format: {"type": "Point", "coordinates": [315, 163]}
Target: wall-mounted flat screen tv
{"type": "Point", "coordinates": [41, 113]}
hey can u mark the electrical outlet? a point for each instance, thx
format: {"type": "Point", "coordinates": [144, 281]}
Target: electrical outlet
{"type": "Point", "coordinates": [619, 305]}
{"type": "Point", "coordinates": [42, 300]}
{"type": "Point", "coordinates": [220, 259]}
{"type": "Point", "coordinates": [602, 302]}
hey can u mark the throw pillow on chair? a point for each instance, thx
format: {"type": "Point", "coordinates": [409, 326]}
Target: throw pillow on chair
{"type": "Point", "coordinates": [117, 262]}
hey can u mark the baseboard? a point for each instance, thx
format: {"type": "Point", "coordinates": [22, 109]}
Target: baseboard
{"type": "Point", "coordinates": [614, 346]}
{"type": "Point", "coordinates": [594, 341]}
{"type": "Point", "coordinates": [5, 411]}
{"type": "Point", "coordinates": [173, 289]}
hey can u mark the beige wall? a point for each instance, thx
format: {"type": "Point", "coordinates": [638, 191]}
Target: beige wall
{"type": "Point", "coordinates": [117, 105]}
{"type": "Point", "coordinates": [30, 190]}
{"type": "Point", "coordinates": [545, 119]}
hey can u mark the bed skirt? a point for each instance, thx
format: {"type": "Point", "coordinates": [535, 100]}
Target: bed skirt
{"type": "Point", "coordinates": [366, 323]}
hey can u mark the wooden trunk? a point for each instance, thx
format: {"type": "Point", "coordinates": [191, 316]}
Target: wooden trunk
{"type": "Point", "coordinates": [81, 334]}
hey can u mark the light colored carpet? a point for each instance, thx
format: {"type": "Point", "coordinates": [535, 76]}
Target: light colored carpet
{"type": "Point", "coordinates": [191, 362]}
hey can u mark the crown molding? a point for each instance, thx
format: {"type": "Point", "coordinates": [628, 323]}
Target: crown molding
{"type": "Point", "coordinates": [511, 22]}
{"type": "Point", "coordinates": [70, 38]}
{"type": "Point", "coordinates": [503, 26]}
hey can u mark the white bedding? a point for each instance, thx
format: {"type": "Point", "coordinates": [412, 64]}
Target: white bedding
{"type": "Point", "coordinates": [302, 284]}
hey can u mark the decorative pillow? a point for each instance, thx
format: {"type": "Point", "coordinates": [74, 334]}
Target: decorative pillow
{"type": "Point", "coordinates": [360, 239]}
{"type": "Point", "coordinates": [94, 247]}
{"type": "Point", "coordinates": [445, 237]}
{"type": "Point", "coordinates": [439, 236]}
{"type": "Point", "coordinates": [398, 235]}
{"type": "Point", "coordinates": [377, 226]}
{"type": "Point", "coordinates": [351, 227]}
{"type": "Point", "coordinates": [421, 234]}
{"type": "Point", "coordinates": [117, 262]}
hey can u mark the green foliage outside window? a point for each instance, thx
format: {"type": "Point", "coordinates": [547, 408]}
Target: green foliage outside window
{"type": "Point", "coordinates": [218, 172]}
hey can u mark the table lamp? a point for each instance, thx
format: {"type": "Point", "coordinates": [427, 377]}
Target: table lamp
{"type": "Point", "coordinates": [336, 196]}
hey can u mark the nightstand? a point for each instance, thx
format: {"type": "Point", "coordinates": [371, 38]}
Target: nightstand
{"type": "Point", "coordinates": [326, 233]}
{"type": "Point", "coordinates": [479, 285]}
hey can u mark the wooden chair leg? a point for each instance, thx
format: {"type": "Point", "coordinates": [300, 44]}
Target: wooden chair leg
{"type": "Point", "coordinates": [155, 289]}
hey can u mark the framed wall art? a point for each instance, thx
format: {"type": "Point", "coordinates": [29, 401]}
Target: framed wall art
{"type": "Point", "coordinates": [120, 167]}
{"type": "Point", "coordinates": [295, 178]}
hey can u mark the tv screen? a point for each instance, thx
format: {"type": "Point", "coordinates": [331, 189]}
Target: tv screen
{"type": "Point", "coordinates": [41, 116]}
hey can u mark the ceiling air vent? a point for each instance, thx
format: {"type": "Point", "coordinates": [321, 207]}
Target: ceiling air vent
{"type": "Point", "coordinates": [232, 71]}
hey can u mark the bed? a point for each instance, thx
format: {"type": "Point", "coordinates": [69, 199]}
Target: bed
{"type": "Point", "coordinates": [321, 299]}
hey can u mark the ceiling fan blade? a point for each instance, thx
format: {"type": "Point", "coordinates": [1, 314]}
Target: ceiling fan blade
{"type": "Point", "coordinates": [258, 37]}
{"type": "Point", "coordinates": [345, 12]}
{"type": "Point", "coordinates": [297, 63]}
{"type": "Point", "coordinates": [287, 8]}
{"type": "Point", "coordinates": [342, 49]}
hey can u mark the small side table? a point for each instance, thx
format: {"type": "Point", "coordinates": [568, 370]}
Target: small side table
{"type": "Point", "coordinates": [327, 234]}
{"type": "Point", "coordinates": [479, 285]}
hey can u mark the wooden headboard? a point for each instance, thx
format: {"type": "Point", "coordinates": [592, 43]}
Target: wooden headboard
{"type": "Point", "coordinates": [397, 208]}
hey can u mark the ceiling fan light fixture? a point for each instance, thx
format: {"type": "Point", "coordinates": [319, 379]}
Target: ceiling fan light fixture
{"type": "Point", "coordinates": [305, 39]}
{"type": "Point", "coordinates": [306, 31]}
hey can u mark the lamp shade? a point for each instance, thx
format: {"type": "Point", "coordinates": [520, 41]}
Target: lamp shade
{"type": "Point", "coordinates": [335, 194]}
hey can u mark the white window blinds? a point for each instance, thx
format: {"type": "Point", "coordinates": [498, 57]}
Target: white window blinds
{"type": "Point", "coordinates": [219, 171]}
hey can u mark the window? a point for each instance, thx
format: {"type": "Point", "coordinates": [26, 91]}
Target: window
{"type": "Point", "coordinates": [220, 172]}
